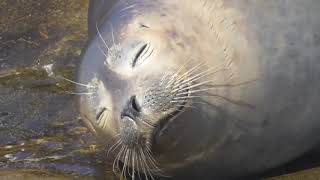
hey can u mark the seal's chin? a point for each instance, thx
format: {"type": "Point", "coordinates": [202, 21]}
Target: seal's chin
{"type": "Point", "coordinates": [164, 122]}
{"type": "Point", "coordinates": [133, 135]}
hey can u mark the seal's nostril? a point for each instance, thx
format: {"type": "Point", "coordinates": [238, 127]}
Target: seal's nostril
{"type": "Point", "coordinates": [135, 105]}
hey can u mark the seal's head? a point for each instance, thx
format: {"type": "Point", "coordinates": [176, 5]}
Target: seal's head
{"type": "Point", "coordinates": [138, 77]}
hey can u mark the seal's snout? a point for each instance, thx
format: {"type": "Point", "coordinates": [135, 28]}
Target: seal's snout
{"type": "Point", "coordinates": [130, 133]}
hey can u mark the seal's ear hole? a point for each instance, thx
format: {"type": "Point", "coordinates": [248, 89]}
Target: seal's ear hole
{"type": "Point", "coordinates": [143, 25]}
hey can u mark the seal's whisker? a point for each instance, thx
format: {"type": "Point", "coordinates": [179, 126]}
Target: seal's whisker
{"type": "Point", "coordinates": [177, 72]}
{"type": "Point", "coordinates": [186, 106]}
{"type": "Point", "coordinates": [215, 86]}
{"type": "Point", "coordinates": [133, 172]}
{"type": "Point", "coordinates": [177, 109]}
{"type": "Point", "coordinates": [137, 161]}
{"type": "Point", "coordinates": [75, 93]}
{"type": "Point", "coordinates": [122, 176]}
{"type": "Point", "coordinates": [128, 7]}
{"type": "Point", "coordinates": [188, 97]}
{"type": "Point", "coordinates": [187, 73]}
{"type": "Point", "coordinates": [153, 161]}
{"type": "Point", "coordinates": [117, 135]}
{"type": "Point", "coordinates": [163, 78]}
{"type": "Point", "coordinates": [122, 157]}
{"type": "Point", "coordinates": [124, 166]}
{"type": "Point", "coordinates": [143, 160]}
{"type": "Point", "coordinates": [133, 164]}
{"type": "Point", "coordinates": [104, 42]}
{"type": "Point", "coordinates": [158, 170]}
{"type": "Point", "coordinates": [190, 71]}
{"type": "Point", "coordinates": [189, 60]}
{"type": "Point", "coordinates": [150, 124]}
{"type": "Point", "coordinates": [236, 102]}
{"type": "Point", "coordinates": [146, 122]}
{"type": "Point", "coordinates": [139, 164]}
{"type": "Point", "coordinates": [122, 154]}
{"type": "Point", "coordinates": [125, 158]}
{"type": "Point", "coordinates": [116, 160]}
{"type": "Point", "coordinates": [142, 164]}
{"type": "Point", "coordinates": [105, 55]}
{"type": "Point", "coordinates": [74, 82]}
{"type": "Point", "coordinates": [127, 171]}
{"type": "Point", "coordinates": [202, 90]}
{"type": "Point", "coordinates": [195, 85]}
{"type": "Point", "coordinates": [196, 77]}
{"type": "Point", "coordinates": [153, 165]}
{"type": "Point", "coordinates": [198, 102]}
{"type": "Point", "coordinates": [129, 163]}
{"type": "Point", "coordinates": [146, 164]}
{"type": "Point", "coordinates": [195, 91]}
{"type": "Point", "coordinates": [112, 33]}
{"type": "Point", "coordinates": [150, 172]}
{"type": "Point", "coordinates": [115, 145]}
{"type": "Point", "coordinates": [173, 101]}
{"type": "Point", "coordinates": [189, 80]}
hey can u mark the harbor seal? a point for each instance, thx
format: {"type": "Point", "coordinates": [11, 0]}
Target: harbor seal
{"type": "Point", "coordinates": [202, 89]}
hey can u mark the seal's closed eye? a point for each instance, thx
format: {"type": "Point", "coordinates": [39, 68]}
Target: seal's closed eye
{"type": "Point", "coordinates": [140, 54]}
{"type": "Point", "coordinates": [98, 117]}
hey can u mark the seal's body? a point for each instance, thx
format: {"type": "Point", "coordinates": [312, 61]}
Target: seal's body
{"type": "Point", "coordinates": [206, 88]}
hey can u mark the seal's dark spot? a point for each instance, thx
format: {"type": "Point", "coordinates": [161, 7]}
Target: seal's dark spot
{"type": "Point", "coordinates": [2, 114]}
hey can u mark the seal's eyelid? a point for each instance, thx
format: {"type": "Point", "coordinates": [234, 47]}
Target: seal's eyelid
{"type": "Point", "coordinates": [140, 53]}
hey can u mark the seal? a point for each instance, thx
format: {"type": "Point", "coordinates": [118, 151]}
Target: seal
{"type": "Point", "coordinates": [202, 89]}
